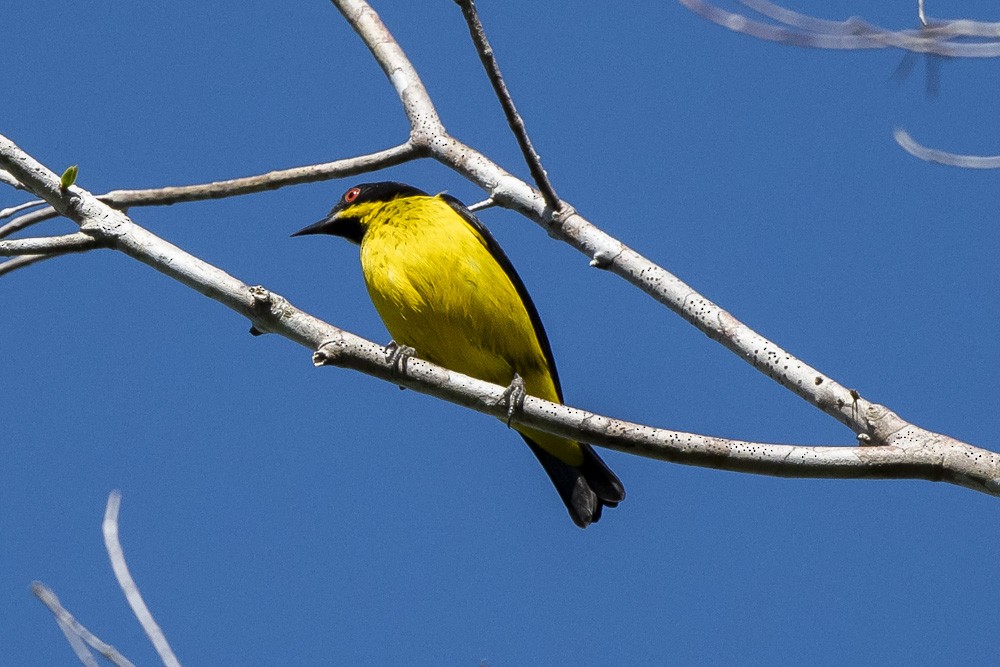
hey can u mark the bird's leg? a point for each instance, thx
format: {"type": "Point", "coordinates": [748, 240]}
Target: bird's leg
{"type": "Point", "coordinates": [397, 355]}
{"type": "Point", "coordinates": [514, 396]}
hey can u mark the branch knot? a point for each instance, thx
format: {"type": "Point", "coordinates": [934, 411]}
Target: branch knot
{"type": "Point", "coordinates": [330, 353]}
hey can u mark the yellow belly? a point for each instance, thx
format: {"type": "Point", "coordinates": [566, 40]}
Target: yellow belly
{"type": "Point", "coordinates": [439, 290]}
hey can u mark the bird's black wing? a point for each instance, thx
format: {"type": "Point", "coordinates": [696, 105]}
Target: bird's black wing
{"type": "Point", "coordinates": [508, 268]}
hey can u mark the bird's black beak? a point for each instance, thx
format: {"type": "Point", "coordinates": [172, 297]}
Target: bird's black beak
{"type": "Point", "coordinates": [336, 224]}
{"type": "Point", "coordinates": [327, 225]}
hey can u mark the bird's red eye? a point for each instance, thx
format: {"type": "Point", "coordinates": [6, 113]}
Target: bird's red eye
{"type": "Point", "coordinates": [351, 195]}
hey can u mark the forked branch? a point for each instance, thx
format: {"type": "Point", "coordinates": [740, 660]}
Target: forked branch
{"type": "Point", "coordinates": [604, 251]}
{"type": "Point", "coordinates": [903, 450]}
{"type": "Point", "coordinates": [492, 67]}
{"type": "Point", "coordinates": [78, 636]}
{"type": "Point", "coordinates": [914, 453]}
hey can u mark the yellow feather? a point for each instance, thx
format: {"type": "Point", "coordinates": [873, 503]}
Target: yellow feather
{"type": "Point", "coordinates": [438, 289]}
{"type": "Point", "coordinates": [443, 286]}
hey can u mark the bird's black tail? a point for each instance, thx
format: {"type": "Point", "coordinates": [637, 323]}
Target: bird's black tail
{"type": "Point", "coordinates": [586, 489]}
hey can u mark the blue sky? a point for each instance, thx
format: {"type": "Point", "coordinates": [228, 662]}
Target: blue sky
{"type": "Point", "coordinates": [277, 514]}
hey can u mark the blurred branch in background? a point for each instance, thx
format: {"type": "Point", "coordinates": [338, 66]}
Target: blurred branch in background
{"type": "Point", "coordinates": [960, 38]}
{"type": "Point", "coordinates": [910, 145]}
{"type": "Point", "coordinates": [128, 585]}
{"type": "Point", "coordinates": [956, 39]}
{"type": "Point", "coordinates": [80, 637]}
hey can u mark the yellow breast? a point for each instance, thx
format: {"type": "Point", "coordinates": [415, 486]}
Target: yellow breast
{"type": "Point", "coordinates": [438, 289]}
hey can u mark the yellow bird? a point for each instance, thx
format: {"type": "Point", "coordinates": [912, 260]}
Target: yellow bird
{"type": "Point", "coordinates": [443, 286]}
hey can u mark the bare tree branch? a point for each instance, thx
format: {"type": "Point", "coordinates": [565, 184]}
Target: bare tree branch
{"type": "Point", "coordinates": [481, 205]}
{"type": "Point", "coordinates": [947, 38]}
{"type": "Point", "coordinates": [913, 454]}
{"type": "Point", "coordinates": [79, 647]}
{"type": "Point", "coordinates": [27, 220]}
{"type": "Point", "coordinates": [49, 245]}
{"type": "Point", "coordinates": [12, 265]}
{"type": "Point", "coordinates": [75, 632]}
{"type": "Point", "coordinates": [127, 583]}
{"type": "Point", "coordinates": [942, 157]}
{"type": "Point", "coordinates": [124, 199]}
{"type": "Point", "coordinates": [5, 177]}
{"type": "Point", "coordinates": [7, 212]}
{"type": "Point", "coordinates": [514, 119]}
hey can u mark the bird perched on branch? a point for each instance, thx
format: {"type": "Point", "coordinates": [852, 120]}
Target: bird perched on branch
{"type": "Point", "coordinates": [443, 286]}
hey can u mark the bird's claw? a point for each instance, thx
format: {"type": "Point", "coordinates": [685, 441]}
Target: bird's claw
{"type": "Point", "coordinates": [397, 356]}
{"type": "Point", "coordinates": [514, 396]}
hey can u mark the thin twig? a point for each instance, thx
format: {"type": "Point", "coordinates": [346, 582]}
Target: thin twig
{"type": "Point", "coordinates": [481, 205]}
{"type": "Point", "coordinates": [124, 199]}
{"type": "Point", "coordinates": [127, 583]}
{"type": "Point", "coordinates": [12, 265]}
{"type": "Point", "coordinates": [948, 38]}
{"type": "Point", "coordinates": [514, 119]}
{"type": "Point", "coordinates": [7, 212]}
{"type": "Point", "coordinates": [6, 177]}
{"type": "Point", "coordinates": [75, 631]}
{"type": "Point", "coordinates": [79, 646]}
{"type": "Point", "coordinates": [960, 28]}
{"type": "Point", "coordinates": [50, 245]}
{"type": "Point", "coordinates": [909, 145]}
{"type": "Point", "coordinates": [26, 220]}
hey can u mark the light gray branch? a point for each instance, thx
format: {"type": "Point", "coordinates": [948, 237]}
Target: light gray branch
{"type": "Point", "coordinates": [79, 637]}
{"type": "Point", "coordinates": [12, 265]}
{"type": "Point", "coordinates": [79, 647]}
{"type": "Point", "coordinates": [127, 583]}
{"type": "Point", "coordinates": [514, 119]}
{"type": "Point", "coordinates": [915, 149]}
{"type": "Point", "coordinates": [124, 199]}
{"type": "Point", "coordinates": [914, 453]}
{"type": "Point", "coordinates": [7, 212]}
{"type": "Point", "coordinates": [27, 220]}
{"type": "Point", "coordinates": [49, 245]}
{"type": "Point", "coordinates": [946, 38]}
{"type": "Point", "coordinates": [5, 177]}
{"type": "Point", "coordinates": [33, 250]}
